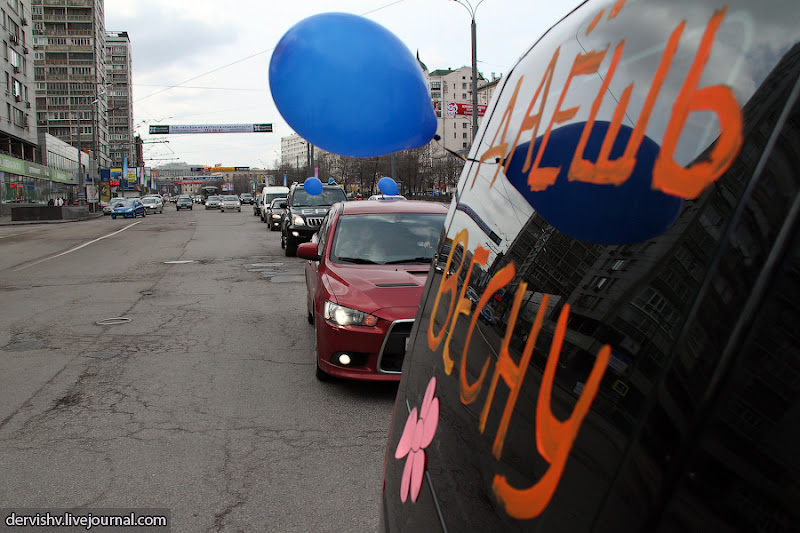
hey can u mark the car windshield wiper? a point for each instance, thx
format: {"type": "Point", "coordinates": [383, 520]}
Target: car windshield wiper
{"type": "Point", "coordinates": [411, 260]}
{"type": "Point", "coordinates": [357, 260]}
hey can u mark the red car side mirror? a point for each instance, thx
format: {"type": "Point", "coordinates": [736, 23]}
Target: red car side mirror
{"type": "Point", "coordinates": [308, 250]}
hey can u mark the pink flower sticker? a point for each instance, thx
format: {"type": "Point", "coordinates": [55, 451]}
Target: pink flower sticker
{"type": "Point", "coordinates": [417, 435]}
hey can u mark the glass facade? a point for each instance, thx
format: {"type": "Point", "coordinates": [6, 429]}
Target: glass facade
{"type": "Point", "coordinates": [26, 190]}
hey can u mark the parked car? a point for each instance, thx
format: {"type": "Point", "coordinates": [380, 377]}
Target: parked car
{"type": "Point", "coordinates": [488, 316]}
{"type": "Point", "coordinates": [275, 213]}
{"type": "Point", "coordinates": [153, 204]}
{"type": "Point", "coordinates": [363, 289]}
{"type": "Point", "coordinates": [257, 206]}
{"type": "Point", "coordinates": [629, 211]}
{"type": "Point", "coordinates": [472, 296]}
{"type": "Point", "coordinates": [230, 202]}
{"type": "Point", "coordinates": [129, 208]}
{"type": "Point", "coordinates": [246, 198]}
{"type": "Point", "coordinates": [387, 197]}
{"type": "Point", "coordinates": [109, 207]}
{"type": "Point", "coordinates": [213, 202]}
{"type": "Point", "coordinates": [304, 214]}
{"type": "Point", "coordinates": [184, 202]}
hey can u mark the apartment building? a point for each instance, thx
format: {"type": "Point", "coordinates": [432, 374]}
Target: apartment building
{"type": "Point", "coordinates": [120, 99]}
{"type": "Point", "coordinates": [451, 94]}
{"type": "Point", "coordinates": [70, 72]}
{"type": "Point", "coordinates": [17, 130]}
{"type": "Point", "coordinates": [294, 151]}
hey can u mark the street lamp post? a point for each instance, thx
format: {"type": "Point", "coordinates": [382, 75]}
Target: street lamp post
{"type": "Point", "coordinates": [472, 10]}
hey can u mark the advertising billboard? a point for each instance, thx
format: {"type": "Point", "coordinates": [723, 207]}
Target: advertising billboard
{"type": "Point", "coordinates": [163, 129]}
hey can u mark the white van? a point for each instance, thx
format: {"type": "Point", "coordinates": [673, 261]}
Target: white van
{"type": "Point", "coordinates": [269, 193]}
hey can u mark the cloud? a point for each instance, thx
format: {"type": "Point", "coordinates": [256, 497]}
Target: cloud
{"type": "Point", "coordinates": [158, 45]}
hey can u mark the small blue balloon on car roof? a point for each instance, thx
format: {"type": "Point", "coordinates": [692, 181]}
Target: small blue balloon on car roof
{"type": "Point", "coordinates": [388, 186]}
{"type": "Point", "coordinates": [313, 186]}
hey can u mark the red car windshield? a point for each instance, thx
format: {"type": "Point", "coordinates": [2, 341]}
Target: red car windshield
{"type": "Point", "coordinates": [387, 238]}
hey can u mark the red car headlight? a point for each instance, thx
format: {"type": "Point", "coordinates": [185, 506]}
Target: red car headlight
{"type": "Point", "coordinates": [344, 316]}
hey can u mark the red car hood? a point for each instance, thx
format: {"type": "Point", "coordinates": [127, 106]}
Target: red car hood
{"type": "Point", "coordinates": [371, 288]}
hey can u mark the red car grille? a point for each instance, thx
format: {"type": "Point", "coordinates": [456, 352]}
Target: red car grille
{"type": "Point", "coordinates": [394, 346]}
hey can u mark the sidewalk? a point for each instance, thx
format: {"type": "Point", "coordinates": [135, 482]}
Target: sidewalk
{"type": "Point", "coordinates": [5, 220]}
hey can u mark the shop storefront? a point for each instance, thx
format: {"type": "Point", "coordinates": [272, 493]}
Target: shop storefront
{"type": "Point", "coordinates": [25, 183]}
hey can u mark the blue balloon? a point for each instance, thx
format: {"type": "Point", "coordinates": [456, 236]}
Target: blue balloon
{"type": "Point", "coordinates": [388, 186]}
{"type": "Point", "coordinates": [603, 214]}
{"type": "Point", "coordinates": [350, 86]}
{"type": "Point", "coordinates": [312, 186]}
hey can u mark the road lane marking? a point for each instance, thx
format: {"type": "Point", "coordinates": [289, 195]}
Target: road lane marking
{"type": "Point", "coordinates": [76, 248]}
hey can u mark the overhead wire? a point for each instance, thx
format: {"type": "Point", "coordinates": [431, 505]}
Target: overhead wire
{"type": "Point", "coordinates": [197, 87]}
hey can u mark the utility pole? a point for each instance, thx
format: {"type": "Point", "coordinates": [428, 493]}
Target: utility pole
{"type": "Point", "coordinates": [473, 30]}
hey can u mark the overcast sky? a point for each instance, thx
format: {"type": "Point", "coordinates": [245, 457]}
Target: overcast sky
{"type": "Point", "coordinates": [206, 61]}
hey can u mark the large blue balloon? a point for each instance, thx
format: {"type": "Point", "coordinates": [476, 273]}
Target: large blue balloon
{"type": "Point", "coordinates": [351, 87]}
{"type": "Point", "coordinates": [312, 186]}
{"type": "Point", "coordinates": [388, 186]}
{"type": "Point", "coordinates": [603, 214]}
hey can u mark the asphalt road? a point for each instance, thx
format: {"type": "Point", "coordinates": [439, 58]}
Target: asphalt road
{"type": "Point", "coordinates": [201, 400]}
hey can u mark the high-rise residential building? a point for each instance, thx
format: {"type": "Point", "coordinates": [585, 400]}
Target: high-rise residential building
{"type": "Point", "coordinates": [70, 71]}
{"type": "Point", "coordinates": [294, 151]}
{"type": "Point", "coordinates": [120, 99]}
{"type": "Point", "coordinates": [18, 136]}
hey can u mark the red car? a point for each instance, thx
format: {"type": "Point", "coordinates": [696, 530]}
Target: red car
{"type": "Point", "coordinates": [365, 273]}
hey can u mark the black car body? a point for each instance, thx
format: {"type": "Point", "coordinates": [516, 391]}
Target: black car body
{"type": "Point", "coordinates": [629, 212]}
{"type": "Point", "coordinates": [274, 215]}
{"type": "Point", "coordinates": [183, 202]}
{"type": "Point", "coordinates": [304, 214]}
{"type": "Point", "coordinates": [246, 198]}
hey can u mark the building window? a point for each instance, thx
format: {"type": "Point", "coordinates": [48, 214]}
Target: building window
{"type": "Point", "coordinates": [19, 118]}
